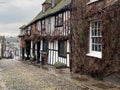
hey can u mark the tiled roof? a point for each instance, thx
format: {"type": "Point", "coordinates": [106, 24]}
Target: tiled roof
{"type": "Point", "coordinates": [62, 4]}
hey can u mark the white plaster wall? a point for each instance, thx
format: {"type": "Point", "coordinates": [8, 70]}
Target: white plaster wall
{"type": "Point", "coordinates": [31, 48]}
{"type": "Point", "coordinates": [48, 25]}
{"type": "Point", "coordinates": [39, 25]}
{"type": "Point", "coordinates": [0, 49]}
{"type": "Point", "coordinates": [36, 50]}
{"type": "Point", "coordinates": [53, 55]}
{"type": "Point", "coordinates": [68, 51]}
{"type": "Point", "coordinates": [52, 24]}
{"type": "Point", "coordinates": [41, 48]}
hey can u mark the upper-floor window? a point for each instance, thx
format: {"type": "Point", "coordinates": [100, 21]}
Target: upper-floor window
{"type": "Point", "coordinates": [43, 8]}
{"type": "Point", "coordinates": [23, 32]}
{"type": "Point", "coordinates": [59, 20]}
{"type": "Point", "coordinates": [53, 3]}
{"type": "Point", "coordinates": [95, 46]}
{"type": "Point", "coordinates": [38, 25]}
{"type": "Point", "coordinates": [49, 25]}
{"type": "Point", "coordinates": [28, 31]}
{"type": "Point", "coordinates": [43, 24]}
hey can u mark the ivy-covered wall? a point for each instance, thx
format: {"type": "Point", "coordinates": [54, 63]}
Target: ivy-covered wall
{"type": "Point", "coordinates": [81, 16]}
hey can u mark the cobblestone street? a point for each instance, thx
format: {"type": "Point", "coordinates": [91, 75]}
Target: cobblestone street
{"type": "Point", "coordinates": [15, 75]}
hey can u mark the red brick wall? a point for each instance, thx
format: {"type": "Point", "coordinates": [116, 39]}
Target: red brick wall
{"type": "Point", "coordinates": [82, 63]}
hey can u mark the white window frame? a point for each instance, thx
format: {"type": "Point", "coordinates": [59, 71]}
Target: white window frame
{"type": "Point", "coordinates": [92, 1]}
{"type": "Point", "coordinates": [94, 53]}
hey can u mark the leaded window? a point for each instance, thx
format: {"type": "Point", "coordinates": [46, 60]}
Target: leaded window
{"type": "Point", "coordinates": [59, 19]}
{"type": "Point", "coordinates": [45, 46]}
{"type": "Point", "coordinates": [62, 48]}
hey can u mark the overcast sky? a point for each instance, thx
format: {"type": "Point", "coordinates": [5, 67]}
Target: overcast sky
{"type": "Point", "coordinates": [15, 13]}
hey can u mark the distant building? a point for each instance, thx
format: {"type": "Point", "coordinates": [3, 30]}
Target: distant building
{"type": "Point", "coordinates": [2, 46]}
{"type": "Point", "coordinates": [12, 47]}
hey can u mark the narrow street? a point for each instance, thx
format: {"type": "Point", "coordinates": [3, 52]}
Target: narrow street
{"type": "Point", "coordinates": [15, 75]}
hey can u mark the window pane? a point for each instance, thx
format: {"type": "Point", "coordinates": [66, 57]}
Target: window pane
{"type": "Point", "coordinates": [96, 46]}
{"type": "Point", "coordinates": [95, 31]}
{"type": "Point", "coordinates": [96, 36]}
{"type": "Point", "coordinates": [45, 46]}
{"type": "Point", "coordinates": [100, 48]}
{"type": "Point", "coordinates": [93, 47]}
{"type": "Point", "coordinates": [93, 40]}
{"type": "Point", "coordinates": [98, 24]}
{"type": "Point", "coordinates": [59, 20]}
{"type": "Point", "coordinates": [99, 32]}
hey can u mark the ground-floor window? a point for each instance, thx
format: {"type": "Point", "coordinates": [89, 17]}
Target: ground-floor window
{"type": "Point", "coordinates": [95, 45]}
{"type": "Point", "coordinates": [62, 48]}
{"type": "Point", "coordinates": [45, 46]}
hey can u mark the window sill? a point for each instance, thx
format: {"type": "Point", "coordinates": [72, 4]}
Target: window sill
{"type": "Point", "coordinates": [90, 2]}
{"type": "Point", "coordinates": [95, 54]}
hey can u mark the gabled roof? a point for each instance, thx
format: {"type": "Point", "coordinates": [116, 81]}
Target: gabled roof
{"type": "Point", "coordinates": [61, 5]}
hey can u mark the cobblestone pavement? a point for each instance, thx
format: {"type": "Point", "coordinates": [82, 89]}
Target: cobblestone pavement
{"type": "Point", "coordinates": [15, 75]}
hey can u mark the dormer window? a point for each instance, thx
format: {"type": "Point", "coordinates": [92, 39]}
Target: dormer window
{"type": "Point", "coordinates": [43, 8]}
{"type": "Point", "coordinates": [53, 3]}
